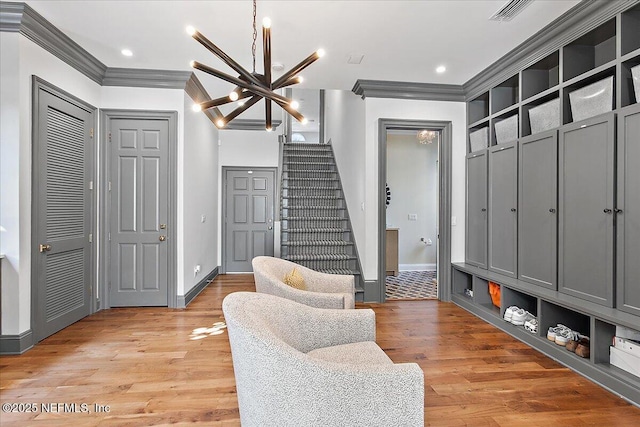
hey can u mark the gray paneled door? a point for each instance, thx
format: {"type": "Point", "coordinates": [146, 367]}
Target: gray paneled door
{"type": "Point", "coordinates": [503, 204]}
{"type": "Point", "coordinates": [476, 231]}
{"type": "Point", "coordinates": [62, 201]}
{"type": "Point", "coordinates": [138, 211]}
{"type": "Point", "coordinates": [537, 212]}
{"type": "Point", "coordinates": [628, 211]}
{"type": "Point", "coordinates": [586, 217]}
{"type": "Point", "coordinates": [248, 217]}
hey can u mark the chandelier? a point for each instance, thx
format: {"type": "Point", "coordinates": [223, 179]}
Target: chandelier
{"type": "Point", "coordinates": [427, 136]}
{"type": "Point", "coordinates": [252, 85]}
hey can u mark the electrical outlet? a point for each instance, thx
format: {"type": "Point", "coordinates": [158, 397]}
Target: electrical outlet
{"type": "Point", "coordinates": [196, 270]}
{"type": "Point", "coordinates": [413, 217]}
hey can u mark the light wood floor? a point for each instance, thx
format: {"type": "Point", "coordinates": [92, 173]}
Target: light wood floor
{"type": "Point", "coordinates": [146, 365]}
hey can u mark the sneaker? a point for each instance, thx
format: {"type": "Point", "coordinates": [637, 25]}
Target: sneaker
{"type": "Point", "coordinates": [520, 317]}
{"type": "Point", "coordinates": [552, 332]}
{"type": "Point", "coordinates": [508, 313]}
{"type": "Point", "coordinates": [565, 336]}
{"type": "Point", "coordinates": [531, 325]}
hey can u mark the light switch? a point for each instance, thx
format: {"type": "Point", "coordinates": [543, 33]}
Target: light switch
{"type": "Point", "coordinates": [454, 220]}
{"type": "Point", "coordinates": [413, 217]}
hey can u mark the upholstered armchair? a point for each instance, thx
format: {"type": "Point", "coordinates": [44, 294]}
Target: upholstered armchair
{"type": "Point", "coordinates": [297, 365]}
{"type": "Point", "coordinates": [320, 290]}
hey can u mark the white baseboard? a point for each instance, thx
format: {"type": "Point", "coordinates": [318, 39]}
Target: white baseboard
{"type": "Point", "coordinates": [416, 267]}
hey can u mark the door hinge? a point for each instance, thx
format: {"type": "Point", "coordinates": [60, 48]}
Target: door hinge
{"type": "Point", "coordinates": [90, 237]}
{"type": "Point", "coordinates": [91, 132]}
{"type": "Point", "coordinates": [90, 185]}
{"type": "Point", "coordinates": [109, 236]}
{"type": "Point", "coordinates": [109, 136]}
{"type": "Point", "coordinates": [109, 185]}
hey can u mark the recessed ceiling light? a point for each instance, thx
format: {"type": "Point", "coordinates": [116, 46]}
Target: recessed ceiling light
{"type": "Point", "coordinates": [126, 52]}
{"type": "Point", "coordinates": [441, 69]}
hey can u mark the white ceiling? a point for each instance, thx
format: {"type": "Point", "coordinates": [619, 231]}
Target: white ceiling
{"type": "Point", "coordinates": [400, 40]}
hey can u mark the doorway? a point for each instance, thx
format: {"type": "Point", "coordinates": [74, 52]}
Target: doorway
{"type": "Point", "coordinates": [248, 213]}
{"type": "Point", "coordinates": [443, 237]}
{"type": "Point", "coordinates": [412, 214]}
{"type": "Point", "coordinates": [139, 208]}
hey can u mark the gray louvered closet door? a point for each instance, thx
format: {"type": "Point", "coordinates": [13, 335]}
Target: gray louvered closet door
{"type": "Point", "coordinates": [62, 208]}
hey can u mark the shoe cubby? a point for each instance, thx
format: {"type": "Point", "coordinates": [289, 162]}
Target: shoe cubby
{"type": "Point", "coordinates": [505, 95]}
{"type": "Point", "coordinates": [590, 51]}
{"type": "Point", "coordinates": [567, 111]}
{"type": "Point", "coordinates": [482, 296]}
{"type": "Point", "coordinates": [462, 283]}
{"type": "Point", "coordinates": [603, 333]}
{"type": "Point", "coordinates": [551, 315]}
{"type": "Point", "coordinates": [478, 108]}
{"type": "Point", "coordinates": [628, 96]}
{"type": "Point", "coordinates": [630, 37]}
{"type": "Point", "coordinates": [521, 300]}
{"type": "Point", "coordinates": [541, 76]}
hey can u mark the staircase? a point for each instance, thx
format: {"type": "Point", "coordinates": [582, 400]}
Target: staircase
{"type": "Point", "coordinates": [316, 231]}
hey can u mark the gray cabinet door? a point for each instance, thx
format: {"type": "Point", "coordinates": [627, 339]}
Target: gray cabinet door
{"type": "Point", "coordinates": [628, 213]}
{"type": "Point", "coordinates": [537, 209]}
{"type": "Point", "coordinates": [503, 204]}
{"type": "Point", "coordinates": [586, 196]}
{"type": "Point", "coordinates": [476, 231]}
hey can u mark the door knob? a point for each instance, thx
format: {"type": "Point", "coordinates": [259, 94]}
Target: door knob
{"type": "Point", "coordinates": [608, 211]}
{"type": "Point", "coordinates": [270, 228]}
{"type": "Point", "coordinates": [483, 209]}
{"type": "Point", "coordinates": [163, 226]}
{"type": "Point", "coordinates": [513, 209]}
{"type": "Point", "coordinates": [617, 210]}
{"type": "Point", "coordinates": [163, 238]}
{"type": "Point", "coordinates": [45, 248]}
{"type": "Point", "coordinates": [552, 210]}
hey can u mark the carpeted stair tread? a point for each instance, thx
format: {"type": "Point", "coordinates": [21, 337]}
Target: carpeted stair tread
{"type": "Point", "coordinates": [317, 243]}
{"type": "Point", "coordinates": [319, 257]}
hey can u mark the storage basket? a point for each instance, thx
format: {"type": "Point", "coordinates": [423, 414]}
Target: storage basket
{"type": "Point", "coordinates": [635, 74]}
{"type": "Point", "coordinates": [545, 116]}
{"type": "Point", "coordinates": [507, 129]}
{"type": "Point", "coordinates": [592, 100]}
{"type": "Point", "coordinates": [479, 139]}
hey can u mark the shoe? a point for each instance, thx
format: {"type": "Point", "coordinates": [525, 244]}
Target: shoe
{"type": "Point", "coordinates": [508, 313]}
{"type": "Point", "coordinates": [551, 333]}
{"type": "Point", "coordinates": [565, 336]}
{"type": "Point", "coordinates": [571, 346]}
{"type": "Point", "coordinates": [531, 325]}
{"type": "Point", "coordinates": [582, 349]}
{"type": "Point", "coordinates": [520, 317]}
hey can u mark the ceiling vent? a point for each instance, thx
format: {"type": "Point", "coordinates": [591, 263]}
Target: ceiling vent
{"type": "Point", "coordinates": [510, 10]}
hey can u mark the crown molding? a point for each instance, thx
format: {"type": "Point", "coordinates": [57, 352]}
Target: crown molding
{"type": "Point", "coordinates": [577, 21]}
{"type": "Point", "coordinates": [138, 77]}
{"type": "Point", "coordinates": [408, 90]}
{"type": "Point", "coordinates": [20, 17]}
{"type": "Point", "coordinates": [250, 124]}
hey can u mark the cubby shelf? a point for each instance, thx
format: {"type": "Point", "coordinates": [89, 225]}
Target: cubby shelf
{"type": "Point", "coordinates": [608, 48]}
{"type": "Point", "coordinates": [549, 311]}
{"type": "Point", "coordinates": [591, 57]}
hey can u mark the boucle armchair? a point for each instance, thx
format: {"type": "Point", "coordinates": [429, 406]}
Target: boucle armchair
{"type": "Point", "coordinates": [297, 365]}
{"type": "Point", "coordinates": [321, 290]}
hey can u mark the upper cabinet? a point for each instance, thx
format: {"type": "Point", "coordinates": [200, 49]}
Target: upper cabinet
{"type": "Point", "coordinates": [592, 74]}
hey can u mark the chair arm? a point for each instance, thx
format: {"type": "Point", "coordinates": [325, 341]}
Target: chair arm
{"type": "Point", "coordinates": [312, 299]}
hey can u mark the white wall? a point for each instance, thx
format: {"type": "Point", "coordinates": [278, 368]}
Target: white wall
{"type": "Point", "coordinates": [344, 126]}
{"type": "Point", "coordinates": [9, 185]}
{"type": "Point", "coordinates": [412, 176]}
{"type": "Point", "coordinates": [252, 148]}
{"type": "Point", "coordinates": [377, 108]}
{"type": "Point", "coordinates": [200, 195]}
